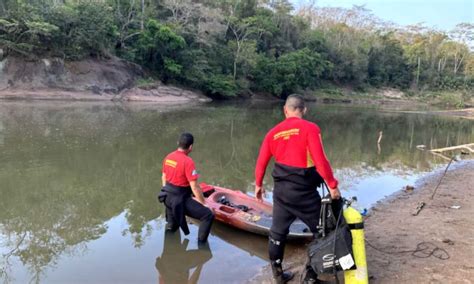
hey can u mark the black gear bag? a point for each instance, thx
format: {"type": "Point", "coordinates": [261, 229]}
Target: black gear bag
{"type": "Point", "coordinates": [331, 251]}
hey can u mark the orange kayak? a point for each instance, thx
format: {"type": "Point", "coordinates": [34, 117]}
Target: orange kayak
{"type": "Point", "coordinates": [237, 209]}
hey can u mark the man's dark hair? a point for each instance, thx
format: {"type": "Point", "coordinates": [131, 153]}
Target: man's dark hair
{"type": "Point", "coordinates": [185, 141]}
{"type": "Point", "coordinates": [295, 102]}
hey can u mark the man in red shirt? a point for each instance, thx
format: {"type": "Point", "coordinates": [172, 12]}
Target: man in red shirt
{"type": "Point", "coordinates": [300, 167]}
{"type": "Point", "coordinates": [179, 180]}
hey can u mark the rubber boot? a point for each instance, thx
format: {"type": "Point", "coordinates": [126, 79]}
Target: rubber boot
{"type": "Point", "coordinates": [171, 227]}
{"type": "Point", "coordinates": [280, 276]}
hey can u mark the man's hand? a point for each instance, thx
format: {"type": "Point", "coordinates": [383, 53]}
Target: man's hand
{"type": "Point", "coordinates": [335, 193]}
{"type": "Point", "coordinates": [259, 193]}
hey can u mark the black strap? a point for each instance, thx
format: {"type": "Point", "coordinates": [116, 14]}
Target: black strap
{"type": "Point", "coordinates": [325, 207]}
{"type": "Point", "coordinates": [356, 226]}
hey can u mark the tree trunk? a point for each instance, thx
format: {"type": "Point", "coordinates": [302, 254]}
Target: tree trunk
{"type": "Point", "coordinates": [418, 72]}
{"type": "Point", "coordinates": [142, 27]}
{"type": "Point", "coordinates": [237, 54]}
{"type": "Point", "coordinates": [455, 63]}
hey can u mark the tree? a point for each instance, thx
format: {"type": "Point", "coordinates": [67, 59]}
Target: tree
{"type": "Point", "coordinates": [195, 21]}
{"type": "Point", "coordinates": [282, 76]}
{"type": "Point", "coordinates": [85, 29]}
{"type": "Point", "coordinates": [240, 30]}
{"type": "Point", "coordinates": [463, 35]}
{"type": "Point", "coordinates": [387, 64]}
{"type": "Point", "coordinates": [129, 24]}
{"type": "Point", "coordinates": [157, 48]}
{"type": "Point", "coordinates": [25, 32]}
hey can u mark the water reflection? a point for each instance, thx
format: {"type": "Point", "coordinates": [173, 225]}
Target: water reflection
{"type": "Point", "coordinates": [67, 170]}
{"type": "Point", "coordinates": [254, 245]}
{"type": "Point", "coordinates": [175, 263]}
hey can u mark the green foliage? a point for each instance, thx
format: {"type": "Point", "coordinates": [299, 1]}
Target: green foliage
{"type": "Point", "coordinates": [293, 70]}
{"type": "Point", "coordinates": [157, 49]}
{"type": "Point", "coordinates": [229, 47]}
{"type": "Point", "coordinates": [331, 92]}
{"type": "Point", "coordinates": [87, 29]}
{"type": "Point", "coordinates": [452, 99]}
{"type": "Point", "coordinates": [387, 65]}
{"type": "Point", "coordinates": [221, 85]}
{"type": "Point", "coordinates": [73, 31]}
{"type": "Point", "coordinates": [145, 82]}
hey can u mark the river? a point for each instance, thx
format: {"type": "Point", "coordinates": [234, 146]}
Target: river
{"type": "Point", "coordinates": [78, 182]}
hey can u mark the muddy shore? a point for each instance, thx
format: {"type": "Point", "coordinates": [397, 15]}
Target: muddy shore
{"type": "Point", "coordinates": [395, 238]}
{"type": "Point", "coordinates": [159, 95]}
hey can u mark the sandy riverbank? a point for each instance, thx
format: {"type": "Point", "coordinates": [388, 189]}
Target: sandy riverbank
{"type": "Point", "coordinates": [392, 232]}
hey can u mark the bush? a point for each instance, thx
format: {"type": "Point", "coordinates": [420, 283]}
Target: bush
{"type": "Point", "coordinates": [221, 85]}
{"type": "Point", "coordinates": [452, 100]}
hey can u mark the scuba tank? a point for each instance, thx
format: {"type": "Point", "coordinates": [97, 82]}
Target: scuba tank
{"type": "Point", "coordinates": [356, 225]}
{"type": "Point", "coordinates": [340, 245]}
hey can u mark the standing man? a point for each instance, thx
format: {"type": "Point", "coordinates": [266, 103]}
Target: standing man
{"type": "Point", "coordinates": [300, 167]}
{"type": "Point", "coordinates": [179, 181]}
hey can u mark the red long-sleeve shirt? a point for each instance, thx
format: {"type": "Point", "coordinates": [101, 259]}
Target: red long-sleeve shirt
{"type": "Point", "coordinates": [295, 142]}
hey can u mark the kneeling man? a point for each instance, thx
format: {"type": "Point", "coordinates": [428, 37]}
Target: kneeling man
{"type": "Point", "coordinates": [179, 180]}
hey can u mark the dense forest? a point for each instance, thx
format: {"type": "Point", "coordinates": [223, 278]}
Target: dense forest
{"type": "Point", "coordinates": [231, 47]}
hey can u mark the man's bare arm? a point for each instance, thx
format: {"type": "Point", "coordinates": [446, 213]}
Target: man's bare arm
{"type": "Point", "coordinates": [197, 191]}
{"type": "Point", "coordinates": [163, 179]}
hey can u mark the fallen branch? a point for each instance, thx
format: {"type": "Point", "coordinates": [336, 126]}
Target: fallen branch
{"type": "Point", "coordinates": [441, 156]}
{"type": "Point", "coordinates": [465, 146]}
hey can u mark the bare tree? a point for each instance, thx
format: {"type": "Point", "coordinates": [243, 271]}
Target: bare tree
{"type": "Point", "coordinates": [204, 22]}
{"type": "Point", "coordinates": [127, 18]}
{"type": "Point", "coordinates": [464, 34]}
{"type": "Point", "coordinates": [181, 11]}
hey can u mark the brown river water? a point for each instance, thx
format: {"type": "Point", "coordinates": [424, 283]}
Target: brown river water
{"type": "Point", "coordinates": [78, 182]}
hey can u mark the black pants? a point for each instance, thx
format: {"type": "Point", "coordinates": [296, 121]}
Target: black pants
{"type": "Point", "coordinates": [195, 210]}
{"type": "Point", "coordinates": [287, 206]}
{"type": "Point", "coordinates": [284, 216]}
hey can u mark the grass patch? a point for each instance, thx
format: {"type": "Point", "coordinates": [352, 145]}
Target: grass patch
{"type": "Point", "coordinates": [447, 99]}
{"type": "Point", "coordinates": [330, 92]}
{"type": "Point", "coordinates": [145, 82]}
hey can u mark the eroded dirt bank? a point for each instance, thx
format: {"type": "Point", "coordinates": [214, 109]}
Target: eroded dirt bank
{"type": "Point", "coordinates": [434, 247]}
{"type": "Point", "coordinates": [110, 79]}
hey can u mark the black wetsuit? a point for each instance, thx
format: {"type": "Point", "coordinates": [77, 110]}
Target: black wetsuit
{"type": "Point", "coordinates": [294, 196]}
{"type": "Point", "coordinates": [179, 204]}
{"type": "Point", "coordinates": [300, 166]}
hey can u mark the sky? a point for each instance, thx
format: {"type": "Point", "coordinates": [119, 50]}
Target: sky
{"type": "Point", "coordinates": [439, 14]}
